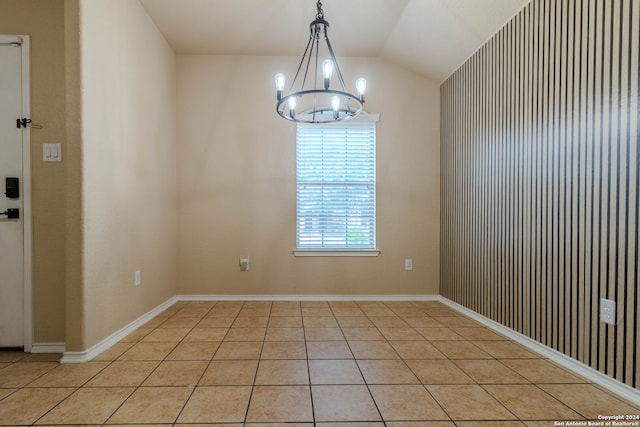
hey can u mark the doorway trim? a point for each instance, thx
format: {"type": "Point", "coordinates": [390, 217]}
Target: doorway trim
{"type": "Point", "coordinates": [25, 44]}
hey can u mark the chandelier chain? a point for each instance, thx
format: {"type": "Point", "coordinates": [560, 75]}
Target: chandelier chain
{"type": "Point", "coordinates": [320, 14]}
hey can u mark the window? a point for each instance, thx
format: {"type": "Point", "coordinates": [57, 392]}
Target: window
{"type": "Point", "coordinates": [336, 188]}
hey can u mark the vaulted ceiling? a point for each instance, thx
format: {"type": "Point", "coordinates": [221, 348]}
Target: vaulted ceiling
{"type": "Point", "coordinates": [430, 37]}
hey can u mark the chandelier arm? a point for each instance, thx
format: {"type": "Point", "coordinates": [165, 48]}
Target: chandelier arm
{"type": "Point", "coordinates": [335, 63]}
{"type": "Point", "coordinates": [315, 68]}
{"type": "Point", "coordinates": [306, 69]}
{"type": "Point", "coordinates": [315, 74]}
{"type": "Point", "coordinates": [293, 82]}
{"type": "Point", "coordinates": [337, 68]}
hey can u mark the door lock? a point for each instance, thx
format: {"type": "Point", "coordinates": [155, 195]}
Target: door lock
{"type": "Point", "coordinates": [12, 188]}
{"type": "Point", "coordinates": [11, 213]}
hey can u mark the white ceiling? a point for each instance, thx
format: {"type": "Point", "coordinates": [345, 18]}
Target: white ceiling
{"type": "Point", "coordinates": [430, 37]}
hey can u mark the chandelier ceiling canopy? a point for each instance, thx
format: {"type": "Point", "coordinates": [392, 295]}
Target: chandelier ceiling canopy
{"type": "Point", "coordinates": [311, 97]}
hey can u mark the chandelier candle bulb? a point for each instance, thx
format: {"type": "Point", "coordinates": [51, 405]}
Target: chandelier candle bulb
{"type": "Point", "coordinates": [361, 87]}
{"type": "Point", "coordinates": [327, 71]}
{"type": "Point", "coordinates": [280, 79]}
{"type": "Point", "coordinates": [335, 103]}
{"type": "Point", "coordinates": [292, 106]}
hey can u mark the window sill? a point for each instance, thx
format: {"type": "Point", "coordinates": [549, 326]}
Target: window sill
{"type": "Point", "coordinates": [336, 252]}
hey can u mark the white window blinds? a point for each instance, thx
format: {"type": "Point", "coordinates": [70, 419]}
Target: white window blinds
{"type": "Point", "coordinates": [336, 186]}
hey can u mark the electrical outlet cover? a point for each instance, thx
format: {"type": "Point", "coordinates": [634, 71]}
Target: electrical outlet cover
{"type": "Point", "coordinates": [608, 311]}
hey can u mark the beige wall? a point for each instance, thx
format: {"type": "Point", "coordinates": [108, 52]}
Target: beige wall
{"type": "Point", "coordinates": [43, 20]}
{"type": "Point", "coordinates": [128, 168]}
{"type": "Point", "coordinates": [74, 327]}
{"type": "Point", "coordinates": [236, 183]}
{"type": "Point", "coordinates": [104, 85]}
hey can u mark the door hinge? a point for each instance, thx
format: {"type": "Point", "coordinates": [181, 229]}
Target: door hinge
{"type": "Point", "coordinates": [22, 123]}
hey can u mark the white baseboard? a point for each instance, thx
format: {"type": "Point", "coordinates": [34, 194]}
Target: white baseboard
{"type": "Point", "coordinates": [597, 377]}
{"type": "Point", "coordinates": [87, 355]}
{"type": "Point", "coordinates": [48, 347]}
{"type": "Point", "coordinates": [308, 297]}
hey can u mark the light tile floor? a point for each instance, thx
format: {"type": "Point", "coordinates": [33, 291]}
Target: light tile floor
{"type": "Point", "coordinates": [250, 363]}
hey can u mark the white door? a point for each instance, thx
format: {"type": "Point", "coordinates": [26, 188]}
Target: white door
{"type": "Point", "coordinates": [13, 154]}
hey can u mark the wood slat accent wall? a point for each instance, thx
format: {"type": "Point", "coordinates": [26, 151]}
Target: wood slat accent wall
{"type": "Point", "coordinates": [540, 180]}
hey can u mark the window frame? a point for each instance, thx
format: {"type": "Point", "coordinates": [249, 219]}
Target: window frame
{"type": "Point", "coordinates": [340, 252]}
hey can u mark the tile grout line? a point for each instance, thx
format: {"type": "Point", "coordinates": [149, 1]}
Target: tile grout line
{"type": "Point", "coordinates": [255, 376]}
{"type": "Point", "coordinates": [140, 385]}
{"type": "Point", "coordinates": [77, 389]}
{"type": "Point", "coordinates": [195, 387]}
{"type": "Point", "coordinates": [164, 359]}
{"type": "Point", "coordinates": [358, 366]}
{"type": "Point", "coordinates": [424, 386]}
{"type": "Point", "coordinates": [82, 386]}
{"type": "Point", "coordinates": [365, 379]}
{"type": "Point", "coordinates": [465, 339]}
{"type": "Point", "coordinates": [306, 352]}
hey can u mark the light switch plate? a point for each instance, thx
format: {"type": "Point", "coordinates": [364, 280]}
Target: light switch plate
{"type": "Point", "coordinates": [51, 152]}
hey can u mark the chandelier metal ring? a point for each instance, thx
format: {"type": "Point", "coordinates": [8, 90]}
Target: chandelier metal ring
{"type": "Point", "coordinates": [320, 112]}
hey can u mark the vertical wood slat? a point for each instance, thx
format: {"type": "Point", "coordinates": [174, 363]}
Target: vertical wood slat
{"type": "Point", "coordinates": [540, 179]}
{"type": "Point", "coordinates": [633, 190]}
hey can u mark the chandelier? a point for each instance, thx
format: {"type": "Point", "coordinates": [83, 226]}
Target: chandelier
{"type": "Point", "coordinates": [308, 99]}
